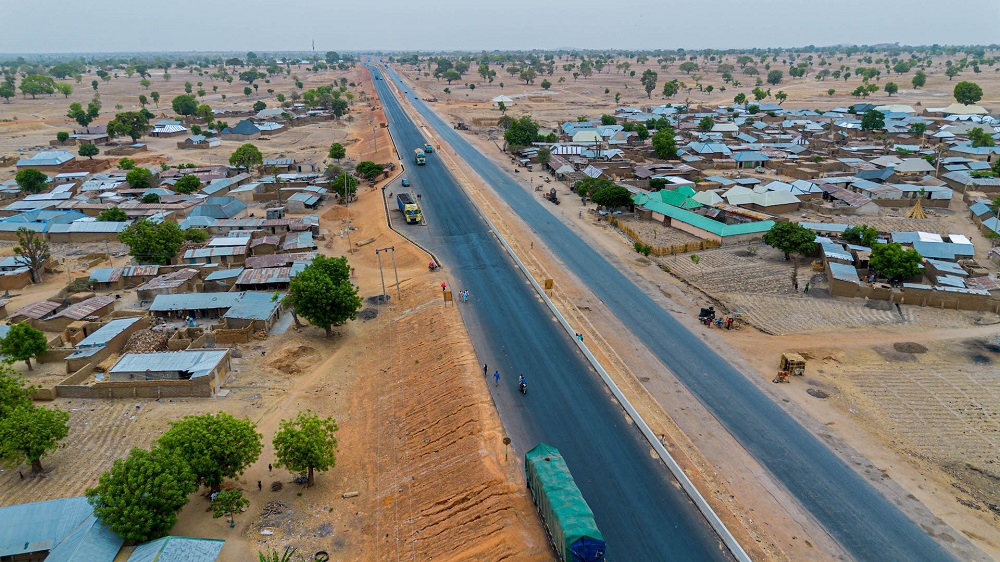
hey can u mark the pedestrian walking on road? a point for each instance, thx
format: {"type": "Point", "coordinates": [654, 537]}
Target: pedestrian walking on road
{"type": "Point", "coordinates": [496, 378]}
{"type": "Point", "coordinates": [486, 370]}
{"type": "Point", "coordinates": [444, 286]}
{"type": "Point", "coordinates": [269, 468]}
{"type": "Point", "coordinates": [260, 486]}
{"type": "Point", "coordinates": [807, 288]}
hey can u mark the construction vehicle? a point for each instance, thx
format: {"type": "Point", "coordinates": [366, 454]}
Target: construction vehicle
{"type": "Point", "coordinates": [566, 515]}
{"type": "Point", "coordinates": [428, 148]}
{"type": "Point", "coordinates": [418, 156]}
{"type": "Point", "coordinates": [409, 208]}
{"type": "Point", "coordinates": [790, 364]}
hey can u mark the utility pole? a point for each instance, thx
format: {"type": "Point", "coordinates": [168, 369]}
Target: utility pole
{"type": "Point", "coordinates": [392, 250]}
{"type": "Point", "coordinates": [378, 255]}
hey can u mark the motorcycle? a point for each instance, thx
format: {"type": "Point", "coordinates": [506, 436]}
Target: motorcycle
{"type": "Point", "coordinates": [522, 386]}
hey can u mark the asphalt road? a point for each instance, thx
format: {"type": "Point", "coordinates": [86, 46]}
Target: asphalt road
{"type": "Point", "coordinates": [638, 506]}
{"type": "Point", "coordinates": [856, 515]}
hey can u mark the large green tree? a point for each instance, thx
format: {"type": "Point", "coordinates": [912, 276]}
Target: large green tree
{"type": "Point", "coordinates": [184, 104]}
{"type": "Point", "coordinates": [370, 170]}
{"type": "Point", "coordinates": [29, 432]}
{"type": "Point", "coordinates": [30, 180]}
{"type": "Point", "coordinates": [306, 444]}
{"type": "Point", "coordinates": [337, 151]}
{"type": "Point", "coordinates": [114, 214]}
{"type": "Point", "coordinates": [89, 150]}
{"type": "Point", "coordinates": [873, 120]}
{"type": "Point", "coordinates": [612, 197]}
{"type": "Point", "coordinates": [139, 178]}
{"type": "Point", "coordinates": [648, 81]}
{"type": "Point", "coordinates": [35, 84]}
{"type": "Point", "coordinates": [228, 502]}
{"type": "Point", "coordinates": [790, 238]}
{"type": "Point", "coordinates": [139, 497]}
{"type": "Point", "coordinates": [664, 143]}
{"type": "Point", "coordinates": [14, 390]}
{"type": "Point", "coordinates": [246, 157]}
{"type": "Point", "coordinates": [152, 243]}
{"type": "Point", "coordinates": [22, 343]}
{"type": "Point", "coordinates": [215, 446]}
{"type": "Point", "coordinates": [968, 93]}
{"type": "Point", "coordinates": [133, 124]}
{"type": "Point", "coordinates": [83, 116]}
{"type": "Point", "coordinates": [324, 297]}
{"type": "Point", "coordinates": [587, 187]}
{"type": "Point", "coordinates": [863, 234]}
{"type": "Point", "coordinates": [188, 184]}
{"type": "Point", "coordinates": [894, 261]}
{"type": "Point", "coordinates": [521, 132]}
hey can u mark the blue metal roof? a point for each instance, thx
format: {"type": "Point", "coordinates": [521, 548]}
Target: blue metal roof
{"type": "Point", "coordinates": [844, 272]}
{"type": "Point", "coordinates": [46, 158]}
{"type": "Point", "coordinates": [198, 362]}
{"type": "Point", "coordinates": [193, 301]}
{"type": "Point", "coordinates": [47, 525]}
{"type": "Point", "coordinates": [254, 305]}
{"type": "Point", "coordinates": [106, 333]}
{"type": "Point", "coordinates": [224, 274]}
{"type": "Point", "coordinates": [178, 549]}
{"type": "Point", "coordinates": [979, 209]}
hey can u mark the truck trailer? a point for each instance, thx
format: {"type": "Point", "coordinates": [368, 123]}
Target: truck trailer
{"type": "Point", "coordinates": [409, 208]}
{"type": "Point", "coordinates": [566, 515]}
{"type": "Point", "coordinates": [419, 157]}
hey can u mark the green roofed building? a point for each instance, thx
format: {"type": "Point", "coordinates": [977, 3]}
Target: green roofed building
{"type": "Point", "coordinates": [699, 225]}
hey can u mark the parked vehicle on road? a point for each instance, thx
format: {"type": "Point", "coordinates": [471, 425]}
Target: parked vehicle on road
{"type": "Point", "coordinates": [409, 208]}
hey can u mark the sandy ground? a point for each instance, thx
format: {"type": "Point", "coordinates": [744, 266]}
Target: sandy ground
{"type": "Point", "coordinates": [427, 461]}
{"type": "Point", "coordinates": [954, 491]}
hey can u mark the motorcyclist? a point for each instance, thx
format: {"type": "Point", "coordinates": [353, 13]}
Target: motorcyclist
{"type": "Point", "coordinates": [522, 384]}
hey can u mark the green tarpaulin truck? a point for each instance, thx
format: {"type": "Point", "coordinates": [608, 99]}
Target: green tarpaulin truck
{"type": "Point", "coordinates": [566, 515]}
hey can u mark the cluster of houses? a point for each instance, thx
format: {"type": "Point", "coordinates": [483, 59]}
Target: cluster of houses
{"type": "Point", "coordinates": [747, 166]}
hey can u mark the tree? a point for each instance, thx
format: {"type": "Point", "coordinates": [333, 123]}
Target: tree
{"type": "Point", "coordinates": [150, 198]}
{"type": "Point", "coordinates": [306, 444]}
{"type": "Point", "coordinates": [337, 151]}
{"type": "Point", "coordinates": [740, 98]}
{"type": "Point", "coordinates": [89, 150]}
{"type": "Point", "coordinates": [369, 169]}
{"type": "Point", "coordinates": [31, 180]}
{"type": "Point", "coordinates": [143, 100]}
{"type": "Point", "coordinates": [451, 75]}
{"type": "Point", "coordinates": [648, 82]}
{"type": "Point", "coordinates": [528, 75]}
{"type": "Point", "coordinates": [671, 88]}
{"type": "Point", "coordinates": [774, 77]}
{"type": "Point", "coordinates": [345, 185]}
{"type": "Point", "coordinates": [706, 124]}
{"type": "Point", "coordinates": [139, 178]}
{"type": "Point", "coordinates": [688, 67]}
{"type": "Point", "coordinates": [139, 497]}
{"type": "Point", "coordinates": [830, 92]}
{"type": "Point", "coordinates": [126, 164]}
{"type": "Point", "coordinates": [259, 106]}
{"type": "Point", "coordinates": [184, 104]}
{"type": "Point", "coordinates": [864, 235]}
{"type": "Point", "coordinates": [196, 235]}
{"type": "Point", "coordinates": [187, 184]}
{"type": "Point", "coordinates": [543, 155]}
{"type": "Point", "coordinates": [133, 124]}
{"type": "Point", "coordinates": [22, 343]}
{"type": "Point", "coordinates": [895, 262]}
{"type": "Point", "coordinates": [891, 88]}
{"type": "Point", "coordinates": [34, 252]}
{"type": "Point", "coordinates": [62, 137]}
{"type": "Point", "coordinates": [790, 238]}
{"type": "Point", "coordinates": [64, 88]}
{"type": "Point", "coordinates": [228, 502]}
{"type": "Point", "coordinates": [28, 432]}
{"type": "Point", "coordinates": [781, 96]}
{"type": "Point", "coordinates": [521, 132]}
{"type": "Point", "coordinates": [81, 116]}
{"type": "Point", "coordinates": [873, 120]}
{"type": "Point", "coordinates": [156, 98]}
{"type": "Point", "coordinates": [7, 91]}
{"type": "Point", "coordinates": [952, 72]}
{"type": "Point", "coordinates": [246, 157]}
{"type": "Point", "coordinates": [35, 84]}
{"type": "Point", "coordinates": [14, 391]}
{"type": "Point", "coordinates": [967, 93]}
{"type": "Point", "coordinates": [151, 243]}
{"type": "Point", "coordinates": [589, 186]}
{"type": "Point", "coordinates": [214, 446]}
{"type": "Point", "coordinates": [664, 143]}
{"type": "Point", "coordinates": [919, 79]}
{"type": "Point", "coordinates": [612, 197]}
{"type": "Point", "coordinates": [980, 138]}
{"type": "Point", "coordinates": [114, 214]}
{"type": "Point", "coordinates": [324, 300]}
{"type": "Point", "coordinates": [608, 119]}
{"type": "Point", "coordinates": [546, 84]}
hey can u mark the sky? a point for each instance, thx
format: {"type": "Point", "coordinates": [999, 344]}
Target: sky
{"type": "Point", "coordinates": [61, 26]}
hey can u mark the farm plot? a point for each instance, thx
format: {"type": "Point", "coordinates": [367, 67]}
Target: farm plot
{"type": "Point", "coordinates": [736, 269]}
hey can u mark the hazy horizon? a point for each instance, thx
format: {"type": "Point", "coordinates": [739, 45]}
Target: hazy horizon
{"type": "Point", "coordinates": [115, 26]}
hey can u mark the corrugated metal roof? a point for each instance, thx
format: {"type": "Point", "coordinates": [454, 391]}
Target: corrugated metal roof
{"type": "Point", "coordinates": [253, 305]}
{"type": "Point", "coordinates": [90, 541]}
{"type": "Point", "coordinates": [298, 241]}
{"type": "Point", "coordinates": [86, 308]}
{"type": "Point", "coordinates": [37, 310]}
{"type": "Point", "coordinates": [106, 333]}
{"type": "Point", "coordinates": [108, 227]}
{"type": "Point", "coordinates": [193, 301]}
{"type": "Point", "coordinates": [198, 363]}
{"type": "Point", "coordinates": [278, 260]}
{"type": "Point", "coordinates": [268, 275]}
{"type": "Point", "coordinates": [224, 274]}
{"type": "Point", "coordinates": [200, 253]}
{"type": "Point", "coordinates": [178, 549]}
{"type": "Point", "coordinates": [39, 526]}
{"type": "Point", "coordinates": [844, 272]}
{"type": "Point", "coordinates": [169, 280]}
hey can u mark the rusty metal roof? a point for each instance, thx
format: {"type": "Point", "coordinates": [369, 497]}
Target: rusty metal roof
{"type": "Point", "coordinates": [37, 310]}
{"type": "Point", "coordinates": [86, 308]}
